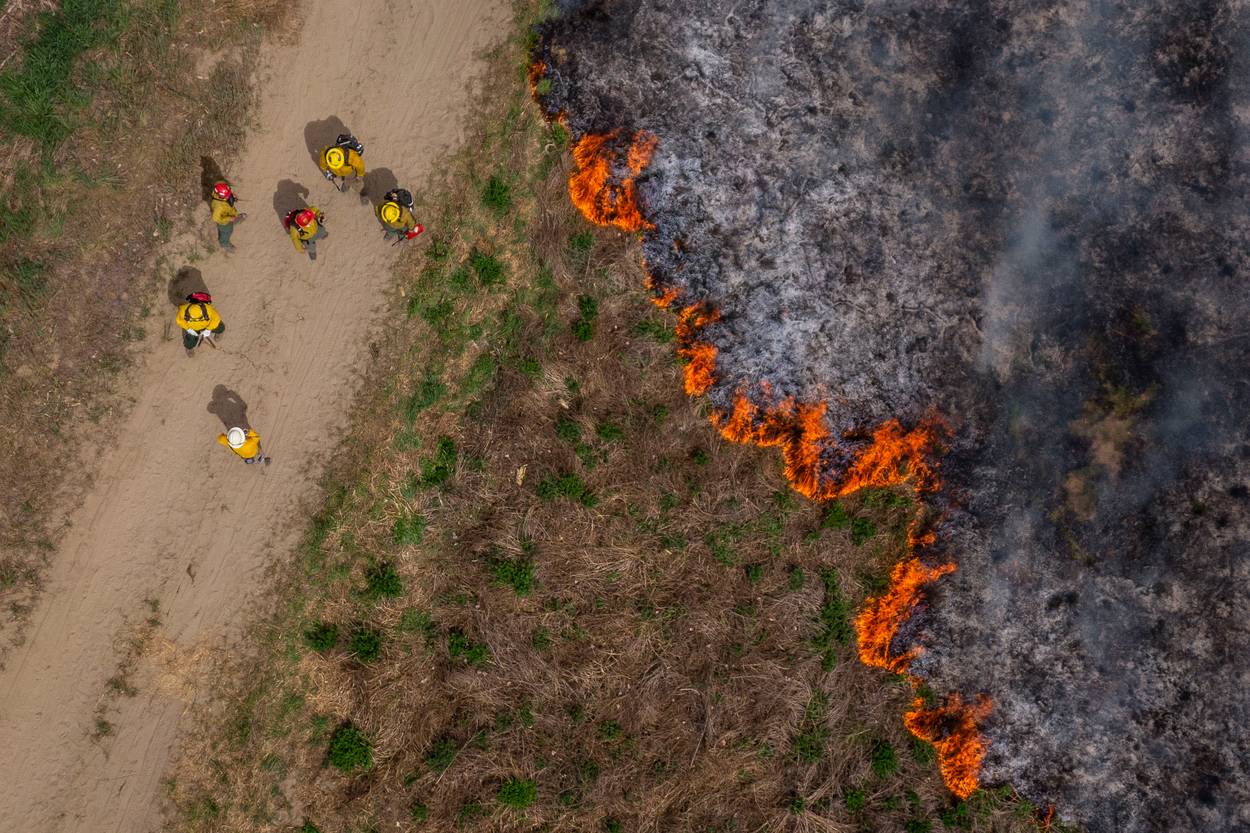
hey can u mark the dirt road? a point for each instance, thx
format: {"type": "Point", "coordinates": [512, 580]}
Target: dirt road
{"type": "Point", "coordinates": [173, 516]}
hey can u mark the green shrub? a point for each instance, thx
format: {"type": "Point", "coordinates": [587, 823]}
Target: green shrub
{"type": "Point", "coordinates": [918, 826]}
{"type": "Point", "coordinates": [855, 800]}
{"type": "Point", "coordinates": [442, 753]}
{"type": "Point", "coordinates": [517, 793]}
{"type": "Point", "coordinates": [321, 636]}
{"type": "Point", "coordinates": [438, 469]}
{"type": "Point", "coordinates": [436, 315]}
{"type": "Point", "coordinates": [409, 529]}
{"type": "Point", "coordinates": [470, 813]}
{"type": "Point", "coordinates": [884, 760]}
{"type": "Point", "coordinates": [611, 825]}
{"type": "Point", "coordinates": [568, 430]}
{"type": "Point", "coordinates": [480, 374]}
{"type": "Point", "coordinates": [582, 242]}
{"type": "Point", "coordinates": [543, 87]}
{"type": "Point", "coordinates": [349, 749]}
{"type": "Point", "coordinates": [418, 811]}
{"type": "Point", "coordinates": [584, 326]}
{"type": "Point", "coordinates": [923, 751]}
{"type": "Point", "coordinates": [428, 391]}
{"type": "Point", "coordinates": [657, 331]}
{"type": "Point", "coordinates": [541, 640]}
{"type": "Point", "coordinates": [366, 644]}
{"type": "Point", "coordinates": [861, 530]}
{"type": "Point", "coordinates": [754, 572]}
{"type": "Point", "coordinates": [460, 647]}
{"type": "Point", "coordinates": [796, 805]}
{"type": "Point", "coordinates": [700, 456]}
{"type": "Point", "coordinates": [438, 249]}
{"type": "Point", "coordinates": [517, 573]}
{"type": "Point", "coordinates": [610, 432]}
{"type": "Point", "coordinates": [610, 730]}
{"type": "Point", "coordinates": [488, 268]}
{"type": "Point", "coordinates": [497, 195]}
{"type": "Point", "coordinates": [835, 517]}
{"type": "Point", "coordinates": [382, 581]}
{"type": "Point", "coordinates": [796, 578]}
{"type": "Point", "coordinates": [957, 816]}
{"type": "Point", "coordinates": [568, 486]}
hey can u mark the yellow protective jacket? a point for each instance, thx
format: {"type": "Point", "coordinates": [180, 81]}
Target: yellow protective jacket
{"type": "Point", "coordinates": [405, 221]}
{"type": "Point", "coordinates": [250, 447]}
{"type": "Point", "coordinates": [352, 163]}
{"type": "Point", "coordinates": [191, 317]}
{"type": "Point", "coordinates": [223, 212]}
{"type": "Point", "coordinates": [300, 235]}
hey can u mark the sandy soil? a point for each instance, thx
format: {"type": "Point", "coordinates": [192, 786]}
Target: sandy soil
{"type": "Point", "coordinates": [175, 517]}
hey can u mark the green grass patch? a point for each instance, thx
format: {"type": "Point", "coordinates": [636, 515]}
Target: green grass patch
{"type": "Point", "coordinates": [861, 530]}
{"type": "Point", "coordinates": [488, 268]}
{"type": "Point", "coordinates": [517, 793]}
{"type": "Point", "coordinates": [408, 529]}
{"type": "Point", "coordinates": [584, 324]}
{"type": "Point", "coordinates": [517, 573]}
{"type": "Point", "coordinates": [835, 621]}
{"type": "Point", "coordinates": [349, 749]}
{"type": "Point", "coordinates": [428, 392]}
{"type": "Point", "coordinates": [855, 800]}
{"type": "Point", "coordinates": [462, 649]}
{"type": "Point", "coordinates": [884, 759]}
{"type": "Point", "coordinates": [382, 581]}
{"type": "Point", "coordinates": [442, 753]}
{"type": "Point", "coordinates": [481, 373]}
{"type": "Point", "coordinates": [322, 637]}
{"type": "Point", "coordinates": [568, 486]}
{"type": "Point", "coordinates": [810, 741]}
{"type": "Point", "coordinates": [497, 195]}
{"type": "Point", "coordinates": [610, 432]}
{"type": "Point", "coordinates": [365, 644]}
{"type": "Point", "coordinates": [437, 469]}
{"type": "Point", "coordinates": [568, 430]}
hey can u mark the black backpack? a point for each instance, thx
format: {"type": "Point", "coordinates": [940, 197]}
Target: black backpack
{"type": "Point", "coordinates": [399, 195]}
{"type": "Point", "coordinates": [349, 142]}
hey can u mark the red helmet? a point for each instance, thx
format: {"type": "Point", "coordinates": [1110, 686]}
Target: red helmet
{"type": "Point", "coordinates": [305, 218]}
{"type": "Point", "coordinates": [222, 191]}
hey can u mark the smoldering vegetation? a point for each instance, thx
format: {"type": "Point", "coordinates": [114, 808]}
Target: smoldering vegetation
{"type": "Point", "coordinates": [1032, 219]}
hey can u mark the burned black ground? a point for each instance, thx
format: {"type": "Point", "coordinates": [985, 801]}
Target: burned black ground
{"type": "Point", "coordinates": [1031, 218]}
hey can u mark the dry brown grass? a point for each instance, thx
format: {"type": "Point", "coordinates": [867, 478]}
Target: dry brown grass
{"type": "Point", "coordinates": [139, 147]}
{"type": "Point", "coordinates": [662, 672]}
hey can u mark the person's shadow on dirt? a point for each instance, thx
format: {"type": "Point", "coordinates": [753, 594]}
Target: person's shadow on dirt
{"type": "Point", "coordinates": [210, 174]}
{"type": "Point", "coordinates": [187, 280]}
{"type": "Point", "coordinates": [229, 407]}
{"type": "Point", "coordinates": [377, 182]}
{"type": "Point", "coordinates": [289, 196]}
{"type": "Point", "coordinates": [320, 134]}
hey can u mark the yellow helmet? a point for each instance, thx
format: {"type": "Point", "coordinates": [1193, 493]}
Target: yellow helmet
{"type": "Point", "coordinates": [390, 212]}
{"type": "Point", "coordinates": [335, 157]}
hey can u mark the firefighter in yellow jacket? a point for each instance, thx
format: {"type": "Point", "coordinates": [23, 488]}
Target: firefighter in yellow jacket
{"type": "Point", "coordinates": [395, 212]}
{"type": "Point", "coordinates": [225, 215]}
{"type": "Point", "coordinates": [306, 226]}
{"type": "Point", "coordinates": [199, 321]}
{"type": "Point", "coordinates": [246, 443]}
{"type": "Point", "coordinates": [342, 159]}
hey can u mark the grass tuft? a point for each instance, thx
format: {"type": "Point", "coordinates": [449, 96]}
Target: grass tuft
{"type": "Point", "coordinates": [349, 749]}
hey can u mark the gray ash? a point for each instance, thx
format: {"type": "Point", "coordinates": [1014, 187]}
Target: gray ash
{"type": "Point", "coordinates": [1033, 218]}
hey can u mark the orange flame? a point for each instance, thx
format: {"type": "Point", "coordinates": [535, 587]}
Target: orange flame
{"type": "Point", "coordinates": [603, 197]}
{"type": "Point", "coordinates": [952, 729]}
{"type": "Point", "coordinates": [894, 456]}
{"type": "Point", "coordinates": [879, 621]}
{"type": "Point", "coordinates": [537, 70]}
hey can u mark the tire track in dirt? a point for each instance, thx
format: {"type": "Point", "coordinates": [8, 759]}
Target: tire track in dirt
{"type": "Point", "coordinates": [173, 516]}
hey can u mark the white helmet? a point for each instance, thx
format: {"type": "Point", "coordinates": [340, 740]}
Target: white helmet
{"type": "Point", "coordinates": [236, 437]}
